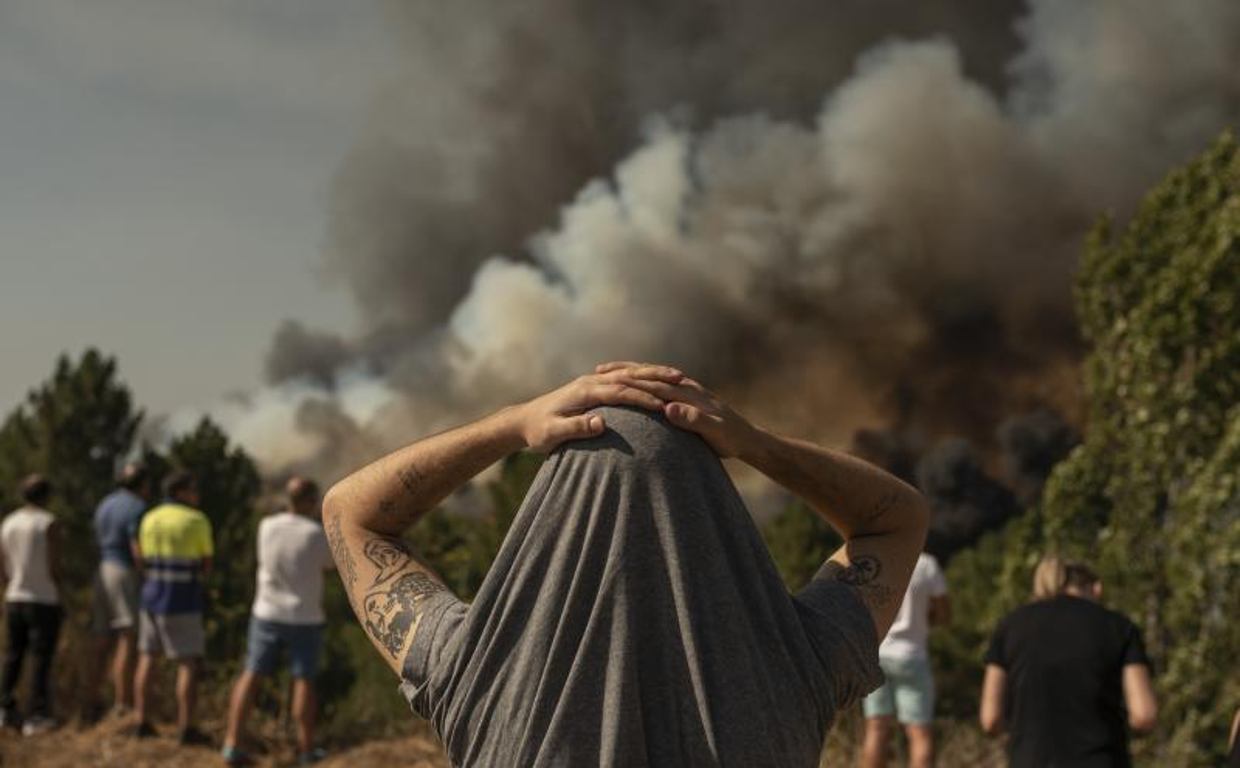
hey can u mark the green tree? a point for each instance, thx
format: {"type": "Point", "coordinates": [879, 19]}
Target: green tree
{"type": "Point", "coordinates": [76, 427]}
{"type": "Point", "coordinates": [1151, 496]}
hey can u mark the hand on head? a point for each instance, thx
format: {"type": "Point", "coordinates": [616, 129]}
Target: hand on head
{"type": "Point", "coordinates": [560, 415]}
{"type": "Point", "coordinates": [690, 406]}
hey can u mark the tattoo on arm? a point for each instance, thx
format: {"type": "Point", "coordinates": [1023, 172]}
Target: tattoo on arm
{"type": "Point", "coordinates": [410, 479]}
{"type": "Point", "coordinates": [862, 575]}
{"type": "Point", "coordinates": [389, 555]}
{"type": "Point", "coordinates": [340, 551]}
{"type": "Point", "coordinates": [392, 613]}
{"type": "Point", "coordinates": [884, 505]}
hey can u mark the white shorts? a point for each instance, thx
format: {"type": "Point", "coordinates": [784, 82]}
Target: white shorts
{"type": "Point", "coordinates": [116, 597]}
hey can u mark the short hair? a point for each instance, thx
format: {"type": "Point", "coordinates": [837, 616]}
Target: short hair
{"type": "Point", "coordinates": [1054, 576]}
{"type": "Point", "coordinates": [301, 489]}
{"type": "Point", "coordinates": [133, 476]}
{"type": "Point", "coordinates": [179, 482]}
{"type": "Point", "coordinates": [36, 489]}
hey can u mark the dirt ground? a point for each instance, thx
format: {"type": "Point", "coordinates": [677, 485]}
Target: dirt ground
{"type": "Point", "coordinates": [108, 746]}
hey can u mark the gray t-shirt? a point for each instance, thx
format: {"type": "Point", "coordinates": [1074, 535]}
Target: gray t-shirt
{"type": "Point", "coordinates": [633, 617]}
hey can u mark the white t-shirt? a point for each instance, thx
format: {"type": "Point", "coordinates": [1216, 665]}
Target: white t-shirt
{"type": "Point", "coordinates": [292, 556]}
{"type": "Point", "coordinates": [24, 538]}
{"type": "Point", "coordinates": [908, 634]}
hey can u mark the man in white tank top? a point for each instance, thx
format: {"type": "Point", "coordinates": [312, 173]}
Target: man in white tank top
{"type": "Point", "coordinates": [30, 567]}
{"type": "Point", "coordinates": [287, 614]}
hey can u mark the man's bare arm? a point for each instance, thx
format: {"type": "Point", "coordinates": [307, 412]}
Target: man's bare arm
{"type": "Point", "coordinates": [883, 521]}
{"type": "Point", "coordinates": [365, 514]}
{"type": "Point", "coordinates": [1139, 698]}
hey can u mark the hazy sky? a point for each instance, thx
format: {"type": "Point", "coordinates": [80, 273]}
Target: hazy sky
{"type": "Point", "coordinates": [164, 176]}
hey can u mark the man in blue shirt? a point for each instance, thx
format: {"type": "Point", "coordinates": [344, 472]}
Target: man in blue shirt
{"type": "Point", "coordinates": [116, 585]}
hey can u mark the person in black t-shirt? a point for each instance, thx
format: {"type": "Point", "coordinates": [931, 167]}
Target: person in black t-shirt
{"type": "Point", "coordinates": [1065, 677]}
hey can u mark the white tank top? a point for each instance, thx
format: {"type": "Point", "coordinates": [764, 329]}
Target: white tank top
{"type": "Point", "coordinates": [23, 535]}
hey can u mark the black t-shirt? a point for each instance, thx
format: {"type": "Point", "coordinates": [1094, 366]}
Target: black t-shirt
{"type": "Point", "coordinates": [1064, 703]}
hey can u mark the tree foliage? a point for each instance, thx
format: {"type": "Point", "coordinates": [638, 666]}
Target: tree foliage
{"type": "Point", "coordinates": [75, 427]}
{"type": "Point", "coordinates": [1152, 495]}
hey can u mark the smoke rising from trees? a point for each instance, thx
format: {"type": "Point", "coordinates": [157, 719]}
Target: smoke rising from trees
{"type": "Point", "coordinates": [844, 216]}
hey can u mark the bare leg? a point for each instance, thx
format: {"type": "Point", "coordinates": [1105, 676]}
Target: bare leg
{"type": "Point", "coordinates": [920, 745]}
{"type": "Point", "coordinates": [305, 706]}
{"type": "Point", "coordinates": [122, 670]}
{"type": "Point", "coordinates": [877, 736]}
{"type": "Point", "coordinates": [187, 691]}
{"type": "Point", "coordinates": [239, 703]}
{"type": "Point", "coordinates": [142, 687]}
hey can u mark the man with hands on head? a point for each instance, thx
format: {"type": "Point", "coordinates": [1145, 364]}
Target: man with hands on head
{"type": "Point", "coordinates": [633, 615]}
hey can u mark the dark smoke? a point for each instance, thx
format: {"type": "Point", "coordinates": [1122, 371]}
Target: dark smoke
{"type": "Point", "coordinates": [835, 225]}
{"type": "Point", "coordinates": [301, 352]}
{"type": "Point", "coordinates": [1030, 445]}
{"type": "Point", "coordinates": [964, 501]}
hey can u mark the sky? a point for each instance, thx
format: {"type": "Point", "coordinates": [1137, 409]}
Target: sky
{"type": "Point", "coordinates": [164, 177]}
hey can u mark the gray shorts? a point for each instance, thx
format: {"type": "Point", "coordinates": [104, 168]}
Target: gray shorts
{"type": "Point", "coordinates": [175, 635]}
{"type": "Point", "coordinates": [116, 598]}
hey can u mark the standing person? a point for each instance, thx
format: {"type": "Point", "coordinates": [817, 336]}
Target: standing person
{"type": "Point", "coordinates": [633, 616]}
{"type": "Point", "coordinates": [908, 694]}
{"type": "Point", "coordinates": [175, 550]}
{"type": "Point", "coordinates": [116, 586]}
{"type": "Point", "coordinates": [287, 614]}
{"type": "Point", "coordinates": [30, 544]}
{"type": "Point", "coordinates": [1062, 671]}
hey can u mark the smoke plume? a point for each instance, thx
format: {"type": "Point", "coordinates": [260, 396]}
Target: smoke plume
{"type": "Point", "coordinates": [841, 215]}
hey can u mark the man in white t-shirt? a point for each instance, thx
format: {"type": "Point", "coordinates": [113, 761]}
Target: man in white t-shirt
{"type": "Point", "coordinates": [30, 567]}
{"type": "Point", "coordinates": [288, 613]}
{"type": "Point", "coordinates": [908, 693]}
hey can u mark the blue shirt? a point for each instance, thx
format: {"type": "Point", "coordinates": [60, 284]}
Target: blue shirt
{"type": "Point", "coordinates": [116, 524]}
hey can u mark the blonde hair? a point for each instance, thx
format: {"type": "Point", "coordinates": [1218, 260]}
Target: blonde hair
{"type": "Point", "coordinates": [1054, 576]}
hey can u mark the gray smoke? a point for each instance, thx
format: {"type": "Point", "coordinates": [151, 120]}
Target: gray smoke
{"type": "Point", "coordinates": [842, 214]}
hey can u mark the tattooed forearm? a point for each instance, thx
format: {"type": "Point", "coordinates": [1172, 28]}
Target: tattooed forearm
{"type": "Point", "coordinates": [393, 613]}
{"type": "Point", "coordinates": [340, 552]}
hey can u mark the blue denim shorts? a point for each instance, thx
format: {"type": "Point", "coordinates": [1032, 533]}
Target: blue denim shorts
{"type": "Point", "coordinates": [908, 693]}
{"type": "Point", "coordinates": [302, 641]}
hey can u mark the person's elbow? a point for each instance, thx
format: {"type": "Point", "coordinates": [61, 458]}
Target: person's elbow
{"type": "Point", "coordinates": [332, 504]}
{"type": "Point", "coordinates": [916, 515]}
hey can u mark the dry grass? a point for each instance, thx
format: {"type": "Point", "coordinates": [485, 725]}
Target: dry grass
{"type": "Point", "coordinates": [108, 746]}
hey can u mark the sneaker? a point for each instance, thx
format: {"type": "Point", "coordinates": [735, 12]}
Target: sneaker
{"type": "Point", "coordinates": [310, 758]}
{"type": "Point", "coordinates": [38, 724]}
{"type": "Point", "coordinates": [234, 755]}
{"type": "Point", "coordinates": [144, 730]}
{"type": "Point", "coordinates": [192, 737]}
